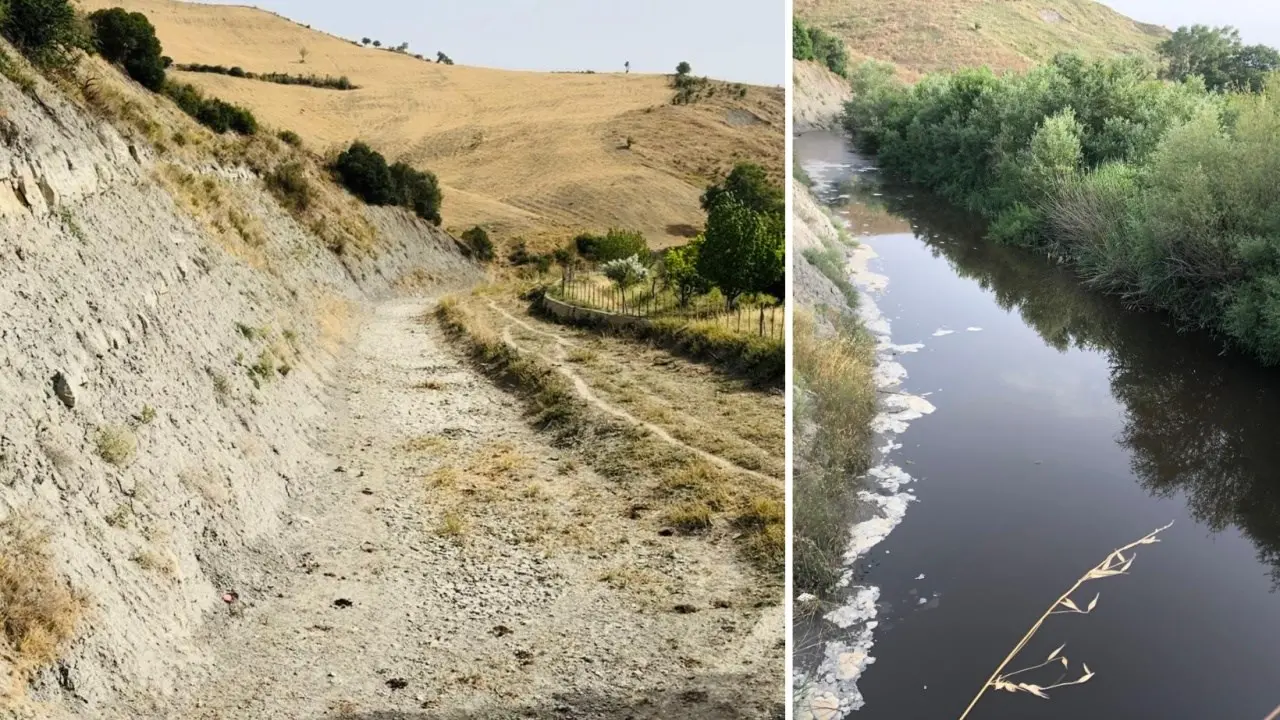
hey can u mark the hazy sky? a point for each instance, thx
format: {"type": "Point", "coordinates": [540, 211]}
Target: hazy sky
{"type": "Point", "coordinates": [739, 40]}
{"type": "Point", "coordinates": [1257, 20]}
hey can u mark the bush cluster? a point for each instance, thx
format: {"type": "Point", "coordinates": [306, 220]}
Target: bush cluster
{"type": "Point", "coordinates": [1161, 192]}
{"type": "Point", "coordinates": [613, 245]}
{"type": "Point", "coordinates": [364, 171]}
{"type": "Point", "coordinates": [478, 241]}
{"type": "Point", "coordinates": [217, 115]}
{"type": "Point", "coordinates": [320, 81]}
{"type": "Point", "coordinates": [129, 40]}
{"type": "Point", "coordinates": [811, 43]}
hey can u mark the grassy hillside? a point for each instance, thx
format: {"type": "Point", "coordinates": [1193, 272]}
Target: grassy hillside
{"type": "Point", "coordinates": [921, 36]}
{"type": "Point", "coordinates": [538, 155]}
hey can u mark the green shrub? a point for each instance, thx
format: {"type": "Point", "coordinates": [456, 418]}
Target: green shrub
{"type": "Point", "coordinates": [129, 40]}
{"type": "Point", "coordinates": [364, 171]}
{"type": "Point", "coordinates": [44, 30]}
{"type": "Point", "coordinates": [320, 81]}
{"type": "Point", "coordinates": [1161, 192]}
{"type": "Point", "coordinates": [291, 138]}
{"type": "Point", "coordinates": [613, 245]}
{"type": "Point", "coordinates": [801, 42]}
{"type": "Point", "coordinates": [417, 190]}
{"type": "Point", "coordinates": [478, 240]}
{"type": "Point", "coordinates": [215, 114]}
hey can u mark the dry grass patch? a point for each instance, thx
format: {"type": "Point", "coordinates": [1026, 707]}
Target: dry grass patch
{"type": "Point", "coordinates": [116, 444]}
{"type": "Point", "coordinates": [835, 401]}
{"type": "Point", "coordinates": [39, 612]}
{"type": "Point", "coordinates": [454, 526]}
{"type": "Point", "coordinates": [431, 385]}
{"type": "Point", "coordinates": [445, 477]}
{"type": "Point", "coordinates": [158, 562]}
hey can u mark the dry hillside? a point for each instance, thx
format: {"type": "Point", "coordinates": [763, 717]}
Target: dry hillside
{"type": "Point", "coordinates": [538, 155]}
{"type": "Point", "coordinates": [922, 36]}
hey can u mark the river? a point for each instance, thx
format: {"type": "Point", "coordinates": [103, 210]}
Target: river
{"type": "Point", "coordinates": [1065, 426]}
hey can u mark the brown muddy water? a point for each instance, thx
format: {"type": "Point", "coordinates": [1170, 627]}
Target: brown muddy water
{"type": "Point", "coordinates": [1065, 426]}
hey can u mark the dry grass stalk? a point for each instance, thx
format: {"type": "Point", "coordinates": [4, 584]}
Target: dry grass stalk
{"type": "Point", "coordinates": [1274, 714]}
{"type": "Point", "coordinates": [1115, 564]}
{"type": "Point", "coordinates": [39, 613]}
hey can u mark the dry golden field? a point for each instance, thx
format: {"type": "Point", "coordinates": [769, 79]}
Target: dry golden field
{"type": "Point", "coordinates": [536, 155]}
{"type": "Point", "coordinates": [921, 36]}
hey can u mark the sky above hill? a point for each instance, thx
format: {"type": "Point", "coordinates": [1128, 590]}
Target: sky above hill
{"type": "Point", "coordinates": [738, 40]}
{"type": "Point", "coordinates": [1257, 20]}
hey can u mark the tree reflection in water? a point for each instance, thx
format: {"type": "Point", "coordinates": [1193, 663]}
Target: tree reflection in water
{"type": "Point", "coordinates": [1199, 422]}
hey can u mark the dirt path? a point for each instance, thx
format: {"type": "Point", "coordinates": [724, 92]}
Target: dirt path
{"type": "Point", "coordinates": [740, 428]}
{"type": "Point", "coordinates": [455, 565]}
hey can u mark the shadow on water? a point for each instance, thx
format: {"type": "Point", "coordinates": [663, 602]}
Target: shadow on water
{"type": "Point", "coordinates": [1199, 423]}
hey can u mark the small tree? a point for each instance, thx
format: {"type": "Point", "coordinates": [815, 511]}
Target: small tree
{"type": "Point", "coordinates": [681, 268]}
{"type": "Point", "coordinates": [303, 53]}
{"type": "Point", "coordinates": [683, 68]}
{"type": "Point", "coordinates": [377, 43]}
{"type": "Point", "coordinates": [625, 273]}
{"type": "Point", "coordinates": [743, 250]}
{"type": "Point", "coordinates": [365, 41]}
{"type": "Point", "coordinates": [749, 184]}
{"type": "Point", "coordinates": [129, 40]}
{"type": "Point", "coordinates": [443, 59]}
{"type": "Point", "coordinates": [627, 65]}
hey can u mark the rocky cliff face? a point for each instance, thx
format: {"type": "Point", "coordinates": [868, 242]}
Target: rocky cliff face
{"type": "Point", "coordinates": [160, 395]}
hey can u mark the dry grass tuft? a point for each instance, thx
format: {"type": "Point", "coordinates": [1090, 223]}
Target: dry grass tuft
{"type": "Point", "coordinates": [454, 526]}
{"type": "Point", "coordinates": [39, 613]}
{"type": "Point", "coordinates": [153, 561]}
{"type": "Point", "coordinates": [116, 444]}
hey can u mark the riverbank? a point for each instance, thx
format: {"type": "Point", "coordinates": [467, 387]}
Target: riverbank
{"type": "Point", "coordinates": [1066, 427]}
{"type": "Point", "coordinates": [846, 496]}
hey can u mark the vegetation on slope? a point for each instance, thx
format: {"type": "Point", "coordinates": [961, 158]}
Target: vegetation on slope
{"type": "Point", "coordinates": [1160, 192]}
{"type": "Point", "coordinates": [835, 400]}
{"type": "Point", "coordinates": [921, 36]}
{"type": "Point", "coordinates": [814, 43]}
{"type": "Point", "coordinates": [539, 156]}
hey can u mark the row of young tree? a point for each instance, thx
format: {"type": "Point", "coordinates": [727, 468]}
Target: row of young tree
{"type": "Point", "coordinates": [742, 250]}
{"type": "Point", "coordinates": [1159, 189]}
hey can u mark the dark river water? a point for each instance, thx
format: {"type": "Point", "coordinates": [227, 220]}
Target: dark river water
{"type": "Point", "coordinates": [1065, 428]}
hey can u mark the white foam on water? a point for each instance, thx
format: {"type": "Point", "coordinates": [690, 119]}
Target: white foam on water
{"type": "Point", "coordinates": [832, 691]}
{"type": "Point", "coordinates": [941, 332]}
{"type": "Point", "coordinates": [974, 329]}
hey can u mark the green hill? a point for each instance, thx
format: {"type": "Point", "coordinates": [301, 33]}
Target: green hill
{"type": "Point", "coordinates": [921, 36]}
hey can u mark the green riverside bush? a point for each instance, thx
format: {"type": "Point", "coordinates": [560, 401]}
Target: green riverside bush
{"type": "Point", "coordinates": [1162, 192]}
